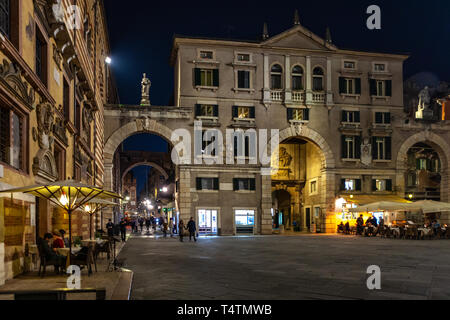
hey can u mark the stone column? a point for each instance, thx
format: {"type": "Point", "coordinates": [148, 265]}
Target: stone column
{"type": "Point", "coordinates": [288, 87]}
{"type": "Point", "coordinates": [329, 200]}
{"type": "Point", "coordinates": [309, 92]}
{"type": "Point", "coordinates": [266, 205]}
{"type": "Point", "coordinates": [329, 100]}
{"type": "Point", "coordinates": [266, 79]}
{"type": "Point", "coordinates": [185, 199]}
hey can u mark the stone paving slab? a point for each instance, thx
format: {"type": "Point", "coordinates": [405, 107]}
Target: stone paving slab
{"type": "Point", "coordinates": [286, 268]}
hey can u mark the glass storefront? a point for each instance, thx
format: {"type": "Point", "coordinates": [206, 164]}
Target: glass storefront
{"type": "Point", "coordinates": [207, 222]}
{"type": "Point", "coordinates": [245, 221]}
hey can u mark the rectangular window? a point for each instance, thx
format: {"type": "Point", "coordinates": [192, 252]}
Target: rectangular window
{"type": "Point", "coordinates": [60, 162]}
{"type": "Point", "coordinates": [379, 67]}
{"type": "Point", "coordinates": [381, 185]}
{"type": "Point", "coordinates": [208, 55]}
{"type": "Point", "coordinates": [244, 184]}
{"type": "Point", "coordinates": [349, 85]}
{"type": "Point", "coordinates": [380, 88]}
{"type": "Point", "coordinates": [208, 142]}
{"type": "Point", "coordinates": [5, 17]}
{"type": "Point", "coordinates": [207, 110]}
{"type": "Point", "coordinates": [351, 185]}
{"type": "Point", "coordinates": [349, 65]}
{"type": "Point", "coordinates": [66, 100]}
{"type": "Point", "coordinates": [243, 113]}
{"type": "Point", "coordinates": [313, 187]}
{"type": "Point", "coordinates": [206, 77]}
{"type": "Point", "coordinates": [383, 118]}
{"type": "Point", "coordinates": [381, 148]}
{"type": "Point", "coordinates": [244, 79]}
{"type": "Point", "coordinates": [246, 147]}
{"type": "Point", "coordinates": [41, 57]}
{"type": "Point", "coordinates": [297, 82]}
{"type": "Point", "coordinates": [241, 57]}
{"type": "Point", "coordinates": [12, 138]}
{"type": "Point", "coordinates": [298, 114]}
{"type": "Point", "coordinates": [207, 184]}
{"type": "Point", "coordinates": [351, 116]}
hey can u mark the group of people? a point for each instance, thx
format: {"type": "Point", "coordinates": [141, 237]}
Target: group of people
{"type": "Point", "coordinates": [168, 227]}
{"type": "Point", "coordinates": [191, 227]}
{"type": "Point", "coordinates": [49, 246]}
{"type": "Point", "coordinates": [368, 228]}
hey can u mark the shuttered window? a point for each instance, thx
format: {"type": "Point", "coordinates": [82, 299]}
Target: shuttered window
{"type": "Point", "coordinates": [12, 144]}
{"type": "Point", "coordinates": [5, 18]}
{"type": "Point", "coordinates": [244, 79]}
{"type": "Point", "coordinates": [297, 114]}
{"type": "Point", "coordinates": [206, 77]}
{"type": "Point", "coordinates": [207, 184]}
{"type": "Point", "coordinates": [244, 184]}
{"type": "Point", "coordinates": [4, 134]}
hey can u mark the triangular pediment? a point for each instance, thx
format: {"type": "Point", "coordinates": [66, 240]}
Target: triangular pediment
{"type": "Point", "coordinates": [299, 38]}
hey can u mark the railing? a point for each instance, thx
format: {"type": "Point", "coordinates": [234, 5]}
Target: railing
{"type": "Point", "coordinates": [298, 96]}
{"type": "Point", "coordinates": [52, 295]}
{"type": "Point", "coordinates": [276, 96]}
{"type": "Point", "coordinates": [318, 97]}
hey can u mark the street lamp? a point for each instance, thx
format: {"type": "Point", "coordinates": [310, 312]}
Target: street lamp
{"type": "Point", "coordinates": [108, 60]}
{"type": "Point", "coordinates": [165, 189]}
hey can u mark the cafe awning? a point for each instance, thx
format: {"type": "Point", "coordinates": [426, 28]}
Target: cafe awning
{"type": "Point", "coordinates": [361, 200]}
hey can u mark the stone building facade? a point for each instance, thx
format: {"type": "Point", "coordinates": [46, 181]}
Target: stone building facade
{"type": "Point", "coordinates": [343, 129]}
{"type": "Point", "coordinates": [48, 63]}
{"type": "Point", "coordinates": [344, 133]}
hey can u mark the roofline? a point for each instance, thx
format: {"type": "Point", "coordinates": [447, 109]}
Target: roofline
{"type": "Point", "coordinates": [181, 39]}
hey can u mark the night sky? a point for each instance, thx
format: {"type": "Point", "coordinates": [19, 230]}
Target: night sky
{"type": "Point", "coordinates": [141, 34]}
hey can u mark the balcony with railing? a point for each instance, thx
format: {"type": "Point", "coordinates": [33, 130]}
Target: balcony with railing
{"type": "Point", "coordinates": [298, 96]}
{"type": "Point", "coordinates": [319, 97]}
{"type": "Point", "coordinates": [276, 96]}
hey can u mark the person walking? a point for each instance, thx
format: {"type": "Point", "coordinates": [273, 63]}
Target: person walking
{"type": "Point", "coordinates": [192, 229]}
{"type": "Point", "coordinates": [171, 227]}
{"type": "Point", "coordinates": [148, 224]}
{"type": "Point", "coordinates": [181, 230]}
{"type": "Point", "coordinates": [141, 223]}
{"type": "Point", "coordinates": [164, 229]}
{"type": "Point", "coordinates": [110, 228]}
{"type": "Point", "coordinates": [123, 230]}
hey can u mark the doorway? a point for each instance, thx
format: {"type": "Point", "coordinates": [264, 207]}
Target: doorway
{"type": "Point", "coordinates": [308, 218]}
{"type": "Point", "coordinates": [207, 222]}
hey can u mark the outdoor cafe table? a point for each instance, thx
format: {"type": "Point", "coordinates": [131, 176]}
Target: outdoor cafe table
{"type": "Point", "coordinates": [65, 252]}
{"type": "Point", "coordinates": [88, 242]}
{"type": "Point", "coordinates": [396, 231]}
{"type": "Point", "coordinates": [423, 232]}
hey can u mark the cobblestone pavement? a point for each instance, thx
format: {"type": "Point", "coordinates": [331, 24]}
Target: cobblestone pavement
{"type": "Point", "coordinates": [286, 268]}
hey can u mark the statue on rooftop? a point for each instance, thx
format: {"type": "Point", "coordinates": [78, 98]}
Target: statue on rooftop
{"type": "Point", "coordinates": [146, 84]}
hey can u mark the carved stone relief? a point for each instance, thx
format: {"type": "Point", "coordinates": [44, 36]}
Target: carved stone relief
{"type": "Point", "coordinates": [10, 75]}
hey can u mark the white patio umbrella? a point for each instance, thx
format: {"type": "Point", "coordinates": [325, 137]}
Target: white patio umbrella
{"type": "Point", "coordinates": [382, 206]}
{"type": "Point", "coordinates": [428, 206]}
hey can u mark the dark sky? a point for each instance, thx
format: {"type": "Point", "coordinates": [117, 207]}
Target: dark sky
{"type": "Point", "coordinates": [141, 33]}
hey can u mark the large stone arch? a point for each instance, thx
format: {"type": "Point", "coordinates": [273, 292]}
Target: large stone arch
{"type": "Point", "coordinates": [131, 128]}
{"type": "Point", "coordinates": [328, 178]}
{"type": "Point", "coordinates": [329, 161]}
{"type": "Point", "coordinates": [149, 164]}
{"type": "Point", "coordinates": [439, 145]}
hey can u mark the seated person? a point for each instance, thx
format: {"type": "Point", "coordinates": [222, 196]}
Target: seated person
{"type": "Point", "coordinates": [347, 228]}
{"type": "Point", "coordinates": [58, 242]}
{"type": "Point", "coordinates": [341, 228]}
{"type": "Point", "coordinates": [50, 254]}
{"type": "Point", "coordinates": [360, 225]}
{"type": "Point", "coordinates": [63, 237]}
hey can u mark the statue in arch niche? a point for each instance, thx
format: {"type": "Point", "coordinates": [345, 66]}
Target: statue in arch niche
{"type": "Point", "coordinates": [146, 84]}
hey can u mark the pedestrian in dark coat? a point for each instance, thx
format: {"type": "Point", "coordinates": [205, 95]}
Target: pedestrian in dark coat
{"type": "Point", "coordinates": [192, 229]}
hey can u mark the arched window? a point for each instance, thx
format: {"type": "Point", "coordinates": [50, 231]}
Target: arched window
{"type": "Point", "coordinates": [275, 76]}
{"type": "Point", "coordinates": [318, 79]}
{"type": "Point", "coordinates": [297, 78]}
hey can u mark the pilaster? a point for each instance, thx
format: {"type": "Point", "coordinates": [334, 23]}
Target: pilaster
{"type": "Point", "coordinates": [288, 87]}
{"type": "Point", "coordinates": [309, 92]}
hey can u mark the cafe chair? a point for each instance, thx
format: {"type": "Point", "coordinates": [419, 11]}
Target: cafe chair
{"type": "Point", "coordinates": [44, 263]}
